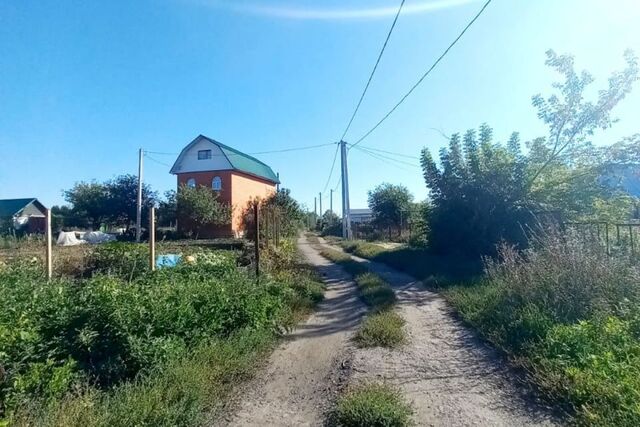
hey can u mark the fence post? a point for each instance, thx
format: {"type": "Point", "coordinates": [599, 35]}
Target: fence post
{"type": "Point", "coordinates": [152, 238]}
{"type": "Point", "coordinates": [256, 220]}
{"type": "Point", "coordinates": [48, 251]}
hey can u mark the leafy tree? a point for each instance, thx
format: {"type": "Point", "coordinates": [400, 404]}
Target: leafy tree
{"type": "Point", "coordinates": [113, 202]}
{"type": "Point", "coordinates": [330, 224]}
{"type": "Point", "coordinates": [290, 213]}
{"type": "Point", "coordinates": [390, 205]}
{"type": "Point", "coordinates": [477, 193]}
{"type": "Point", "coordinates": [168, 209]}
{"type": "Point", "coordinates": [91, 201]}
{"type": "Point", "coordinates": [122, 193]}
{"type": "Point", "coordinates": [200, 207]}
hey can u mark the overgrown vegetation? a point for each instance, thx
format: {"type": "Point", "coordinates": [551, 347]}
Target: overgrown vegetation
{"type": "Point", "coordinates": [373, 405]}
{"type": "Point", "coordinates": [127, 346]}
{"type": "Point", "coordinates": [383, 328]}
{"type": "Point", "coordinates": [569, 312]}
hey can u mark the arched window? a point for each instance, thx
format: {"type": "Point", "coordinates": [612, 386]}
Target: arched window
{"type": "Point", "coordinates": [191, 183]}
{"type": "Point", "coordinates": [216, 184]}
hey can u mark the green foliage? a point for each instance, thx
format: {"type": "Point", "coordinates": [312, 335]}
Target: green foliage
{"type": "Point", "coordinates": [330, 224]}
{"type": "Point", "coordinates": [168, 209]}
{"type": "Point", "coordinates": [200, 207]}
{"type": "Point", "coordinates": [124, 260]}
{"type": "Point", "coordinates": [107, 331]}
{"type": "Point", "coordinates": [290, 214]}
{"type": "Point", "coordinates": [374, 291]}
{"type": "Point", "coordinates": [569, 313]}
{"type": "Point", "coordinates": [373, 405]}
{"type": "Point", "coordinates": [112, 202]}
{"type": "Point", "coordinates": [381, 329]}
{"type": "Point", "coordinates": [390, 204]}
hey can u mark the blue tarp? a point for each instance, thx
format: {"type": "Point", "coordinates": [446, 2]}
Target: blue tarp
{"type": "Point", "coordinates": [168, 260]}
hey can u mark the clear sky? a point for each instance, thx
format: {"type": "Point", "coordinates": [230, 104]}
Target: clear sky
{"type": "Point", "coordinates": [84, 84]}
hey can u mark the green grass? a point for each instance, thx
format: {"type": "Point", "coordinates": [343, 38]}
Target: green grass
{"type": "Point", "coordinates": [381, 329]}
{"type": "Point", "coordinates": [373, 405]}
{"type": "Point", "coordinates": [143, 348]}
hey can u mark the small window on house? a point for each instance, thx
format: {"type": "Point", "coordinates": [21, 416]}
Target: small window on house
{"type": "Point", "coordinates": [216, 184]}
{"type": "Point", "coordinates": [204, 154]}
{"type": "Point", "coordinates": [191, 183]}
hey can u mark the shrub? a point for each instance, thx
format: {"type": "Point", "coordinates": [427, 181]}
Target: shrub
{"type": "Point", "coordinates": [125, 260]}
{"type": "Point", "coordinates": [373, 405]}
{"type": "Point", "coordinates": [381, 329]}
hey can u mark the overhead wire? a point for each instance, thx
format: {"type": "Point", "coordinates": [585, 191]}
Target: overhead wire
{"type": "Point", "coordinates": [393, 153]}
{"type": "Point", "coordinates": [375, 67]}
{"type": "Point", "coordinates": [421, 79]}
{"type": "Point", "coordinates": [333, 165]}
{"type": "Point", "coordinates": [387, 160]}
{"type": "Point", "coordinates": [284, 150]}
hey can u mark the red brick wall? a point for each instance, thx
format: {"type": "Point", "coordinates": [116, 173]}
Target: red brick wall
{"type": "Point", "coordinates": [237, 189]}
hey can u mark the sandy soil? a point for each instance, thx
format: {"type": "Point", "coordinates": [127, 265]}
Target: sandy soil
{"type": "Point", "coordinates": [302, 376]}
{"type": "Point", "coordinates": [450, 376]}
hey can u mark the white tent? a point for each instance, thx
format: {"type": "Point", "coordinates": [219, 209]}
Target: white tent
{"type": "Point", "coordinates": [68, 239]}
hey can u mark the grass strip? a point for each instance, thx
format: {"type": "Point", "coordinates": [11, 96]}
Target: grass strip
{"type": "Point", "coordinates": [373, 405]}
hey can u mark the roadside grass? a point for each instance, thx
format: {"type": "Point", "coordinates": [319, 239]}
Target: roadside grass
{"type": "Point", "coordinates": [381, 329]}
{"type": "Point", "coordinates": [133, 347]}
{"type": "Point", "coordinates": [373, 405]}
{"type": "Point", "coordinates": [433, 269]}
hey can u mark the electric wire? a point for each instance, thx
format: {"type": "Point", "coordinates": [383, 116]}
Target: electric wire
{"type": "Point", "coordinates": [284, 150]}
{"type": "Point", "coordinates": [155, 160]}
{"type": "Point", "coordinates": [333, 165]}
{"type": "Point", "coordinates": [375, 67]}
{"type": "Point", "coordinates": [421, 79]}
{"type": "Point", "coordinates": [386, 160]}
{"type": "Point", "coordinates": [393, 153]}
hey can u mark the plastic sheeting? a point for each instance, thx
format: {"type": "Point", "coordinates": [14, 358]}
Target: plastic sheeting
{"type": "Point", "coordinates": [68, 239]}
{"type": "Point", "coordinates": [98, 237]}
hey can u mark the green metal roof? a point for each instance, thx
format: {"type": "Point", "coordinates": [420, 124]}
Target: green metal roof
{"type": "Point", "coordinates": [10, 207]}
{"type": "Point", "coordinates": [245, 163]}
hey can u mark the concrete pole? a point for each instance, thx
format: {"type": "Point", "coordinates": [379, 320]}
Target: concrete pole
{"type": "Point", "coordinates": [331, 200]}
{"type": "Point", "coordinates": [139, 204]}
{"type": "Point", "coordinates": [320, 198]}
{"type": "Point", "coordinates": [48, 251]}
{"type": "Point", "coordinates": [346, 210]}
{"type": "Point", "coordinates": [152, 238]}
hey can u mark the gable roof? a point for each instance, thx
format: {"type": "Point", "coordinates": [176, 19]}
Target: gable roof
{"type": "Point", "coordinates": [10, 207]}
{"type": "Point", "coordinates": [239, 161]}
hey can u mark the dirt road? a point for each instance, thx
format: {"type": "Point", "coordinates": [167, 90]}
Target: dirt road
{"type": "Point", "coordinates": [299, 381]}
{"type": "Point", "coordinates": [449, 375]}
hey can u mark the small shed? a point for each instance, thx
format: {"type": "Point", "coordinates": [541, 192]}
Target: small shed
{"type": "Point", "coordinates": [26, 215]}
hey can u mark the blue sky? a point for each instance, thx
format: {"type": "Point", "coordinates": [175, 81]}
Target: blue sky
{"type": "Point", "coordinates": [83, 84]}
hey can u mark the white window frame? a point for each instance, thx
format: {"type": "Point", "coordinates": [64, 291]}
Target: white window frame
{"type": "Point", "coordinates": [216, 180]}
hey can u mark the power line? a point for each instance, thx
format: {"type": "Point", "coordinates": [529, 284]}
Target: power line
{"type": "Point", "coordinates": [375, 67]}
{"type": "Point", "coordinates": [308, 147]}
{"type": "Point", "coordinates": [424, 75]}
{"type": "Point", "coordinates": [393, 153]}
{"type": "Point", "coordinates": [386, 160]}
{"type": "Point", "coordinates": [333, 165]}
{"type": "Point", "coordinates": [155, 160]}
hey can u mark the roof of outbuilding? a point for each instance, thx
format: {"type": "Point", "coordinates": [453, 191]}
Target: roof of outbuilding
{"type": "Point", "coordinates": [240, 161]}
{"type": "Point", "coordinates": [10, 207]}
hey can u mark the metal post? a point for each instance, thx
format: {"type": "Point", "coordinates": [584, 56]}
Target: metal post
{"type": "Point", "coordinates": [139, 205]}
{"type": "Point", "coordinates": [48, 254]}
{"type": "Point", "coordinates": [320, 198]}
{"type": "Point", "coordinates": [152, 238]}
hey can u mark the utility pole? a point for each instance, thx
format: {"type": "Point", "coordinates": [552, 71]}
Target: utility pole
{"type": "Point", "coordinates": [139, 206]}
{"type": "Point", "coordinates": [331, 200]}
{"type": "Point", "coordinates": [346, 212]}
{"type": "Point", "coordinates": [315, 206]}
{"type": "Point", "coordinates": [320, 198]}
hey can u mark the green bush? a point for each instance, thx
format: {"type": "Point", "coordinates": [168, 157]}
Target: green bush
{"type": "Point", "coordinates": [373, 405]}
{"type": "Point", "coordinates": [381, 329]}
{"type": "Point", "coordinates": [109, 329]}
{"type": "Point", "coordinates": [125, 260]}
{"type": "Point", "coordinates": [569, 312]}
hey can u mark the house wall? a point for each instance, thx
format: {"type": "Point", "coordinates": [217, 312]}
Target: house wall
{"type": "Point", "coordinates": [238, 189]}
{"type": "Point", "coordinates": [205, 179]}
{"type": "Point", "coordinates": [246, 188]}
{"type": "Point", "coordinates": [188, 162]}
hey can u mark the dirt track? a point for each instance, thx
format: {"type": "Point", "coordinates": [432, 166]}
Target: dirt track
{"type": "Point", "coordinates": [300, 379]}
{"type": "Point", "coordinates": [450, 377]}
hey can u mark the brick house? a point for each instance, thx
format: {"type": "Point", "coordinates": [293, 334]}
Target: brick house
{"type": "Point", "coordinates": [237, 177]}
